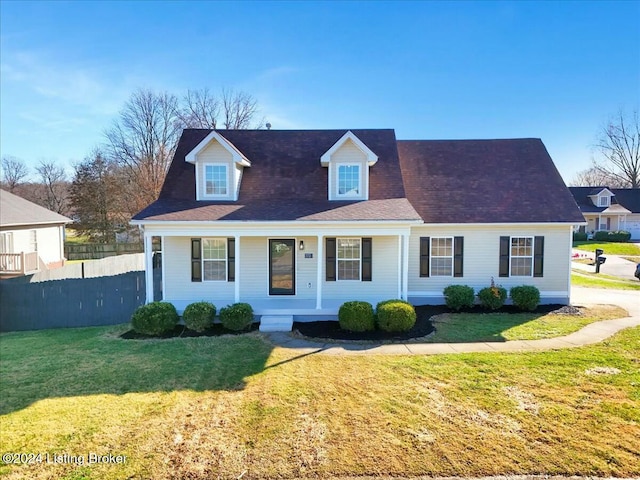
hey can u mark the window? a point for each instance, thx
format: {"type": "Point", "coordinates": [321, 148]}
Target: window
{"type": "Point", "coordinates": [33, 240]}
{"type": "Point", "coordinates": [349, 181]}
{"type": "Point", "coordinates": [603, 201]}
{"type": "Point", "coordinates": [521, 256]}
{"type": "Point", "coordinates": [214, 259]}
{"type": "Point", "coordinates": [348, 255]}
{"type": "Point", "coordinates": [215, 177]}
{"type": "Point", "coordinates": [442, 257]}
{"type": "Point", "coordinates": [6, 242]}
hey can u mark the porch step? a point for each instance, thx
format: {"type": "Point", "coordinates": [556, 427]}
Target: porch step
{"type": "Point", "coordinates": [276, 323]}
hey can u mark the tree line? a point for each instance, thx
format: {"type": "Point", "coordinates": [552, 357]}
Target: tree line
{"type": "Point", "coordinates": [125, 172]}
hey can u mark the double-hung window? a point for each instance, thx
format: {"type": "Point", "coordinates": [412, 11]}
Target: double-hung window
{"type": "Point", "coordinates": [349, 184]}
{"type": "Point", "coordinates": [215, 179]}
{"type": "Point", "coordinates": [521, 256]}
{"type": "Point", "coordinates": [214, 259]}
{"type": "Point", "coordinates": [441, 256]}
{"type": "Point", "coordinates": [348, 256]}
{"type": "Point", "coordinates": [33, 240]}
{"type": "Point", "coordinates": [604, 201]}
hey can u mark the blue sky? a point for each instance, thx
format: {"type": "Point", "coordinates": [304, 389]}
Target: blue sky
{"type": "Point", "coordinates": [431, 70]}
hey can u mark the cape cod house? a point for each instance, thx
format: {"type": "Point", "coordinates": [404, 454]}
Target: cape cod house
{"type": "Point", "coordinates": [609, 209]}
{"type": "Point", "coordinates": [298, 222]}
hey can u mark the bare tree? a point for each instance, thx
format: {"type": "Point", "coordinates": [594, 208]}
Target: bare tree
{"type": "Point", "coordinates": [53, 192]}
{"type": "Point", "coordinates": [13, 172]}
{"type": "Point", "coordinates": [595, 177]}
{"type": "Point", "coordinates": [200, 109]}
{"type": "Point", "coordinates": [619, 145]}
{"type": "Point", "coordinates": [239, 109]}
{"type": "Point", "coordinates": [142, 142]}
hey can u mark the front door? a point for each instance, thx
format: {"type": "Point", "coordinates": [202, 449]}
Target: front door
{"type": "Point", "coordinates": [282, 267]}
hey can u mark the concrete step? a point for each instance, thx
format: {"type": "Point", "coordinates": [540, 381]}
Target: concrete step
{"type": "Point", "coordinates": [276, 323]}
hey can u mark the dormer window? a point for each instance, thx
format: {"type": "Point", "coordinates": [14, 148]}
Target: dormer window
{"type": "Point", "coordinates": [348, 160]}
{"type": "Point", "coordinates": [604, 201]}
{"type": "Point", "coordinates": [216, 180]}
{"type": "Point", "coordinates": [349, 182]}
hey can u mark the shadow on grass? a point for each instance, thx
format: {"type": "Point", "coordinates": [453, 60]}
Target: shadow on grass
{"type": "Point", "coordinates": [47, 364]}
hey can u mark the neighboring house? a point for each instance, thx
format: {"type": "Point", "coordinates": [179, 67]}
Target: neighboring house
{"type": "Point", "coordinates": [31, 237]}
{"type": "Point", "coordinates": [298, 222]}
{"type": "Point", "coordinates": [609, 209]}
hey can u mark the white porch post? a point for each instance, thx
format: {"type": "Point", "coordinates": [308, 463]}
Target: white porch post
{"type": "Point", "coordinates": [319, 274]}
{"type": "Point", "coordinates": [237, 269]}
{"type": "Point", "coordinates": [400, 260]}
{"type": "Point", "coordinates": [405, 267]}
{"type": "Point", "coordinates": [148, 266]}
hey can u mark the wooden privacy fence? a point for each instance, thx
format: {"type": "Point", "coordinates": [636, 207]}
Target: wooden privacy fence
{"type": "Point", "coordinates": [89, 251]}
{"type": "Point", "coordinates": [107, 295]}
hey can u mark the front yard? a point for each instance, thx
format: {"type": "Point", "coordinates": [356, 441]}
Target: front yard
{"type": "Point", "coordinates": [611, 248]}
{"type": "Point", "coordinates": [233, 407]}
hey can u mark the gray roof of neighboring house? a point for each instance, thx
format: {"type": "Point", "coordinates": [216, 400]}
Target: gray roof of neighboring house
{"type": "Point", "coordinates": [438, 181]}
{"type": "Point", "coordinates": [629, 198]}
{"type": "Point", "coordinates": [16, 211]}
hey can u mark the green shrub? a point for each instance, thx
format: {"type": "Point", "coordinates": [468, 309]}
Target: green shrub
{"type": "Point", "coordinates": [492, 297]}
{"type": "Point", "coordinates": [579, 236]}
{"type": "Point", "coordinates": [155, 318]}
{"type": "Point", "coordinates": [238, 316]}
{"type": "Point", "coordinates": [458, 297]}
{"type": "Point", "coordinates": [356, 316]}
{"type": "Point", "coordinates": [199, 316]}
{"type": "Point", "coordinates": [525, 297]}
{"type": "Point", "coordinates": [619, 236]}
{"type": "Point", "coordinates": [395, 316]}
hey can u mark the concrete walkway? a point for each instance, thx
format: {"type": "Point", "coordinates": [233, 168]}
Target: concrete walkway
{"type": "Point", "coordinates": [615, 265]}
{"type": "Point", "coordinates": [580, 296]}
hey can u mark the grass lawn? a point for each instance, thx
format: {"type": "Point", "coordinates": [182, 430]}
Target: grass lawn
{"type": "Point", "coordinates": [633, 259]}
{"type": "Point", "coordinates": [586, 279]}
{"type": "Point", "coordinates": [612, 248]}
{"type": "Point", "coordinates": [231, 407]}
{"type": "Point", "coordinates": [492, 327]}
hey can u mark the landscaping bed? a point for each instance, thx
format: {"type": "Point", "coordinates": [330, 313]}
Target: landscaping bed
{"type": "Point", "coordinates": [330, 330]}
{"type": "Point", "coordinates": [180, 331]}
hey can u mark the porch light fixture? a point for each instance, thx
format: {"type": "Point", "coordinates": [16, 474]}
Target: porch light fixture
{"type": "Point", "coordinates": [301, 245]}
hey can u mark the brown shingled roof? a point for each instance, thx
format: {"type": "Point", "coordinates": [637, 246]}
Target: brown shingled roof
{"type": "Point", "coordinates": [485, 181]}
{"type": "Point", "coordinates": [285, 181]}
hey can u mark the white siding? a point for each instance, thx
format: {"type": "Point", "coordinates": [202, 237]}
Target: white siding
{"type": "Point", "coordinates": [49, 242]}
{"type": "Point", "coordinates": [178, 287]}
{"type": "Point", "coordinates": [384, 277]}
{"type": "Point", "coordinates": [348, 153]}
{"type": "Point", "coordinates": [481, 258]}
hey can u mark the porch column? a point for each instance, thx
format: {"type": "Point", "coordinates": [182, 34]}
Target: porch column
{"type": "Point", "coordinates": [148, 266]}
{"type": "Point", "coordinates": [237, 269]}
{"type": "Point", "coordinates": [320, 254]}
{"type": "Point", "coordinates": [400, 260]}
{"type": "Point", "coordinates": [405, 267]}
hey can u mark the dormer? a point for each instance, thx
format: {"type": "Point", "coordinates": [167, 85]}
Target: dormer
{"type": "Point", "coordinates": [348, 161]}
{"type": "Point", "coordinates": [219, 166]}
{"type": "Point", "coordinates": [602, 198]}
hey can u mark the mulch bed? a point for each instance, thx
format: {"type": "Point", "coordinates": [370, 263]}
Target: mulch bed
{"type": "Point", "coordinates": [183, 332]}
{"type": "Point", "coordinates": [331, 329]}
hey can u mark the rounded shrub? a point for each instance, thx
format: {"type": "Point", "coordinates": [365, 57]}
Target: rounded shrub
{"type": "Point", "coordinates": [525, 297]}
{"type": "Point", "coordinates": [199, 316]}
{"type": "Point", "coordinates": [458, 297]}
{"type": "Point", "coordinates": [238, 316]}
{"type": "Point", "coordinates": [492, 297]}
{"type": "Point", "coordinates": [579, 236]}
{"type": "Point", "coordinates": [356, 316]}
{"type": "Point", "coordinates": [155, 318]}
{"type": "Point", "coordinates": [396, 316]}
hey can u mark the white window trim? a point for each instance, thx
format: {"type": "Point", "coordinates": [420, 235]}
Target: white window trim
{"type": "Point", "coordinates": [6, 242]}
{"type": "Point", "coordinates": [33, 241]}
{"type": "Point", "coordinates": [226, 258]}
{"type": "Point", "coordinates": [431, 257]}
{"type": "Point", "coordinates": [204, 181]}
{"type": "Point", "coordinates": [533, 249]}
{"type": "Point", "coordinates": [338, 259]}
{"type": "Point", "coordinates": [604, 201]}
{"type": "Point", "coordinates": [347, 195]}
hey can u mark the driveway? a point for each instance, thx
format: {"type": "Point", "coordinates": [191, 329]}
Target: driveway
{"type": "Point", "coordinates": [615, 266]}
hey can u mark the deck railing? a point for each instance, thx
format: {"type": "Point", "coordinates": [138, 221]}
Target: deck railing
{"type": "Point", "coordinates": [18, 263]}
